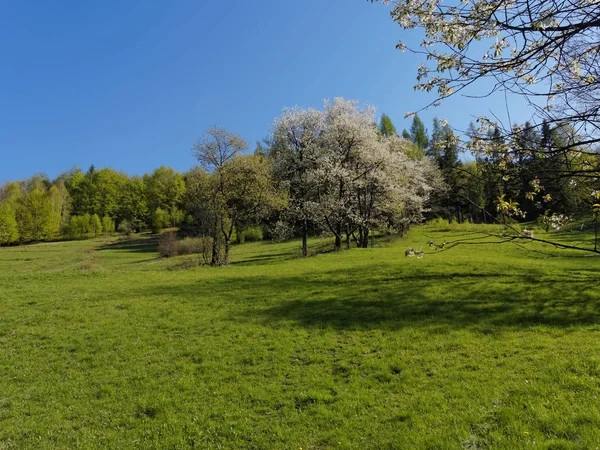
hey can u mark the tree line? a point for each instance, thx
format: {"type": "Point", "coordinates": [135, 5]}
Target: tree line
{"type": "Point", "coordinates": [331, 170]}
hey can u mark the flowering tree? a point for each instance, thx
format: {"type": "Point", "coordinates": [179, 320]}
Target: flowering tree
{"type": "Point", "coordinates": [296, 152]}
{"type": "Point", "coordinates": [343, 176]}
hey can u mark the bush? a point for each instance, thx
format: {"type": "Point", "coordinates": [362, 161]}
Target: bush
{"type": "Point", "coordinates": [167, 244]}
{"type": "Point", "coordinates": [282, 231]}
{"type": "Point", "coordinates": [190, 246]}
{"type": "Point", "coordinates": [125, 227]}
{"type": "Point", "coordinates": [160, 220]}
{"type": "Point", "coordinates": [79, 227]}
{"type": "Point", "coordinates": [252, 234]}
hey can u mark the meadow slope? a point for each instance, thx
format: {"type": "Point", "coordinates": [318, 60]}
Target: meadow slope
{"type": "Point", "coordinates": [105, 345]}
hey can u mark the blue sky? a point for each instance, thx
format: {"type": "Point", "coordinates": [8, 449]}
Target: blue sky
{"type": "Point", "coordinates": [131, 84]}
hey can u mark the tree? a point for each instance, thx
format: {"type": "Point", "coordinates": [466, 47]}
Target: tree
{"type": "Point", "coordinates": [296, 150]}
{"type": "Point", "coordinates": [36, 218]}
{"type": "Point", "coordinates": [133, 207]}
{"type": "Point", "coordinates": [343, 176]}
{"type": "Point", "coordinates": [214, 151]}
{"type": "Point", "coordinates": [418, 134]}
{"type": "Point", "coordinates": [9, 232]}
{"type": "Point", "coordinates": [108, 225]}
{"type": "Point", "coordinates": [386, 127]}
{"type": "Point", "coordinates": [248, 195]}
{"type": "Point", "coordinates": [95, 225]}
{"type": "Point", "coordinates": [160, 220]}
{"type": "Point", "coordinates": [165, 190]}
{"type": "Point", "coordinates": [347, 141]}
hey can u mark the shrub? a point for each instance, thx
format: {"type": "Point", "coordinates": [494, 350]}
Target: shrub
{"type": "Point", "coordinates": [125, 227]}
{"type": "Point", "coordinates": [167, 244]}
{"type": "Point", "coordinates": [190, 246]}
{"type": "Point", "coordinates": [282, 231]}
{"type": "Point", "coordinates": [79, 227]}
{"type": "Point", "coordinates": [160, 220]}
{"type": "Point", "coordinates": [252, 234]}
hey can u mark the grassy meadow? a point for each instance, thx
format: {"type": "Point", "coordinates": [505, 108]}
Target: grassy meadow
{"type": "Point", "coordinates": [105, 345]}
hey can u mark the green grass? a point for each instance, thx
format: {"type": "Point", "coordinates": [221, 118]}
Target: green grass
{"type": "Point", "coordinates": [104, 345]}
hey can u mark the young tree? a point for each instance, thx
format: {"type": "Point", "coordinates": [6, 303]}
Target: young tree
{"type": "Point", "coordinates": [108, 225]}
{"type": "Point", "coordinates": [249, 195]}
{"type": "Point", "coordinates": [214, 151]}
{"type": "Point", "coordinates": [95, 225]}
{"type": "Point", "coordinates": [36, 218]}
{"type": "Point", "coordinates": [9, 232]}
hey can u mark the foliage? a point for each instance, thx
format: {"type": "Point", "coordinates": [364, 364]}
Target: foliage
{"type": "Point", "coordinates": [281, 231]}
{"type": "Point", "coordinates": [36, 218]}
{"type": "Point", "coordinates": [125, 227]}
{"type": "Point", "coordinates": [251, 234]}
{"type": "Point", "coordinates": [160, 219]}
{"type": "Point", "coordinates": [9, 232]}
{"type": "Point", "coordinates": [108, 225]}
{"type": "Point", "coordinates": [343, 176]}
{"type": "Point", "coordinates": [165, 190]}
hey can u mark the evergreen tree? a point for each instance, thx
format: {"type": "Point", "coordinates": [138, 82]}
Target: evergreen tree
{"type": "Point", "coordinates": [386, 127]}
{"type": "Point", "coordinates": [418, 134]}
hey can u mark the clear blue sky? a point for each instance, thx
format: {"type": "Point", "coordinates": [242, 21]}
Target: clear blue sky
{"type": "Point", "coordinates": [131, 84]}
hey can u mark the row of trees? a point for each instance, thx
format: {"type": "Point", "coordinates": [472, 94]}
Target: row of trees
{"type": "Point", "coordinates": [331, 170]}
{"type": "Point", "coordinates": [524, 176]}
{"type": "Point", "coordinates": [80, 204]}
{"type": "Point", "coordinates": [546, 54]}
{"type": "Point", "coordinates": [328, 170]}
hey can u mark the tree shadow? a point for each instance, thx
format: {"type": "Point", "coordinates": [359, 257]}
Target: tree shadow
{"type": "Point", "coordinates": [145, 244]}
{"type": "Point", "coordinates": [369, 300]}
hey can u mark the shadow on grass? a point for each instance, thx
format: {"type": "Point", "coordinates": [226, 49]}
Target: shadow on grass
{"type": "Point", "coordinates": [367, 300]}
{"type": "Point", "coordinates": [143, 244]}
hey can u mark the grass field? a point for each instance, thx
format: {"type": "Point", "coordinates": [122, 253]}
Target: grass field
{"type": "Point", "coordinates": [105, 345]}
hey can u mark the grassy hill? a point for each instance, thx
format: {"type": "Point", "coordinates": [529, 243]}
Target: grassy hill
{"type": "Point", "coordinates": [105, 345]}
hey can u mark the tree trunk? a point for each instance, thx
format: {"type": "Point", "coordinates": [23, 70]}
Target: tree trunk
{"type": "Point", "coordinates": [364, 240]}
{"type": "Point", "coordinates": [226, 257]}
{"type": "Point", "coordinates": [338, 243]}
{"type": "Point", "coordinates": [215, 260]}
{"type": "Point", "coordinates": [304, 239]}
{"type": "Point", "coordinates": [348, 237]}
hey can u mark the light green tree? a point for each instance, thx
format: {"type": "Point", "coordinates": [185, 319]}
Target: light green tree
{"type": "Point", "coordinates": [9, 232]}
